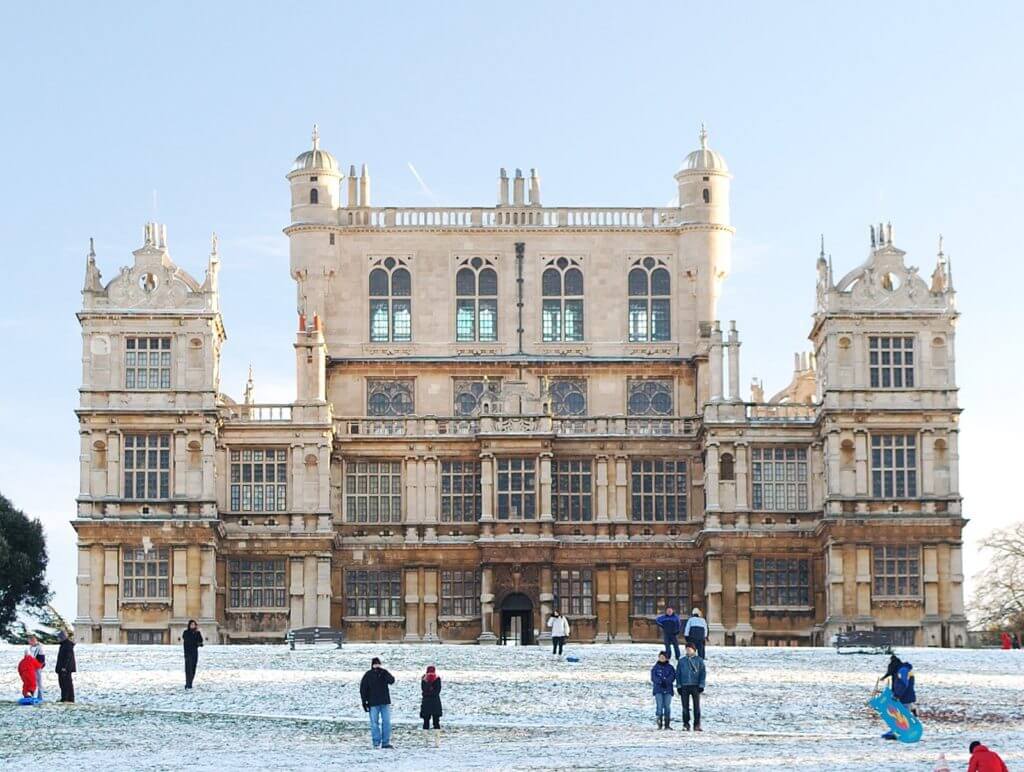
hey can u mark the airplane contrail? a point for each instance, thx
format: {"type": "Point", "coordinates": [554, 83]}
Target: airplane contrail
{"type": "Point", "coordinates": [419, 179]}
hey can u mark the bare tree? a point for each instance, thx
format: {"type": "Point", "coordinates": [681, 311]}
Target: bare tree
{"type": "Point", "coordinates": [998, 602]}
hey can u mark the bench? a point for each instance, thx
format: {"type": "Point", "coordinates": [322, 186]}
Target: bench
{"type": "Point", "coordinates": [314, 635]}
{"type": "Point", "coordinates": [864, 642]}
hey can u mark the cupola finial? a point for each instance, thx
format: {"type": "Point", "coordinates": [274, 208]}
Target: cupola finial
{"type": "Point", "coordinates": [703, 137]}
{"type": "Point", "coordinates": [214, 242]}
{"type": "Point", "coordinates": [316, 137]}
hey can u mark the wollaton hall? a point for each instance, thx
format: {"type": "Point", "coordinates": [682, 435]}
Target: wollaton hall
{"type": "Point", "coordinates": [504, 410]}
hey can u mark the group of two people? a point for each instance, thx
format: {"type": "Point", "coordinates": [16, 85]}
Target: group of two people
{"type": "Point", "coordinates": [689, 675]}
{"type": "Point", "coordinates": [1009, 640]}
{"type": "Point", "coordinates": [31, 666]}
{"type": "Point", "coordinates": [375, 694]}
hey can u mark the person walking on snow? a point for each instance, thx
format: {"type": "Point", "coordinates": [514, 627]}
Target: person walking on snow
{"type": "Point", "coordinates": [696, 631]}
{"type": "Point", "coordinates": [191, 640]}
{"type": "Point", "coordinates": [28, 669]}
{"type": "Point", "coordinates": [559, 631]}
{"type": "Point", "coordinates": [690, 677]}
{"type": "Point", "coordinates": [65, 667]}
{"type": "Point", "coordinates": [902, 678]}
{"type": "Point", "coordinates": [663, 676]}
{"type": "Point", "coordinates": [376, 697]}
{"type": "Point", "coordinates": [984, 760]}
{"type": "Point", "coordinates": [1005, 642]}
{"type": "Point", "coordinates": [430, 706]}
{"type": "Point", "coordinates": [671, 626]}
{"type": "Point", "coordinates": [35, 649]}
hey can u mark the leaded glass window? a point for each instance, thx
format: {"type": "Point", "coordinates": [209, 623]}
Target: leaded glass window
{"type": "Point", "coordinates": [655, 589]}
{"type": "Point", "coordinates": [574, 591]}
{"type": "Point", "coordinates": [562, 302]}
{"type": "Point", "coordinates": [257, 583]}
{"type": "Point", "coordinates": [650, 397]}
{"type": "Point", "coordinates": [460, 593]}
{"type": "Point", "coordinates": [460, 491]}
{"type": "Point", "coordinates": [779, 478]}
{"type": "Point", "coordinates": [373, 593]}
{"type": "Point", "coordinates": [476, 301]}
{"type": "Point", "coordinates": [390, 302]}
{"type": "Point", "coordinates": [146, 574]}
{"type": "Point", "coordinates": [891, 361]}
{"type": "Point", "coordinates": [659, 490]}
{"type": "Point", "coordinates": [469, 393]}
{"type": "Point", "coordinates": [897, 571]}
{"type": "Point", "coordinates": [373, 492]}
{"type": "Point", "coordinates": [782, 582]}
{"type": "Point", "coordinates": [894, 465]}
{"type": "Point", "coordinates": [517, 489]}
{"type": "Point", "coordinates": [650, 301]}
{"type": "Point", "coordinates": [568, 396]}
{"type": "Point", "coordinates": [259, 480]}
{"type": "Point", "coordinates": [147, 363]}
{"type": "Point", "coordinates": [390, 397]}
{"type": "Point", "coordinates": [147, 466]}
{"type": "Point", "coordinates": [571, 489]}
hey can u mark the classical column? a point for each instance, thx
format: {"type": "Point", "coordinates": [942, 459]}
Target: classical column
{"type": "Point", "coordinates": [621, 598]}
{"type": "Point", "coordinates": [742, 484]}
{"type": "Point", "coordinates": [816, 476]}
{"type": "Point", "coordinates": [860, 450]}
{"type": "Point", "coordinates": [547, 597]}
{"type": "Point", "coordinates": [209, 473]}
{"type": "Point", "coordinates": [712, 505]}
{"type": "Point", "coordinates": [296, 484]}
{"type": "Point", "coordinates": [309, 586]}
{"type": "Point", "coordinates": [863, 580]}
{"type": "Point", "coordinates": [953, 438]}
{"type": "Point", "coordinates": [412, 605]}
{"type": "Point", "coordinates": [546, 517]}
{"type": "Point", "coordinates": [114, 464]}
{"type": "Point", "coordinates": [734, 363]}
{"type": "Point", "coordinates": [713, 602]}
{"type": "Point", "coordinates": [621, 514]}
{"type": "Point", "coordinates": [486, 606]}
{"type": "Point", "coordinates": [111, 584]}
{"type": "Point", "coordinates": [430, 498]}
{"type": "Point", "coordinates": [323, 468]}
{"type": "Point", "coordinates": [296, 590]}
{"type": "Point", "coordinates": [486, 495]}
{"type": "Point", "coordinates": [431, 598]}
{"type": "Point", "coordinates": [84, 463]}
{"type": "Point", "coordinates": [323, 591]}
{"type": "Point", "coordinates": [85, 618]}
{"type": "Point", "coordinates": [715, 362]}
{"type": "Point", "coordinates": [604, 578]}
{"type": "Point", "coordinates": [927, 462]}
{"type": "Point", "coordinates": [743, 630]}
{"type": "Point", "coordinates": [411, 499]}
{"type": "Point", "coordinates": [836, 582]}
{"type": "Point", "coordinates": [601, 504]}
{"type": "Point", "coordinates": [208, 588]}
{"type": "Point", "coordinates": [833, 481]}
{"type": "Point", "coordinates": [179, 583]}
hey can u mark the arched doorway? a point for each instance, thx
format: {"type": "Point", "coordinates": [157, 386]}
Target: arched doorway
{"type": "Point", "coordinates": [516, 620]}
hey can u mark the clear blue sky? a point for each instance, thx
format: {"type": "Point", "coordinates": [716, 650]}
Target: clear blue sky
{"type": "Point", "coordinates": [831, 117]}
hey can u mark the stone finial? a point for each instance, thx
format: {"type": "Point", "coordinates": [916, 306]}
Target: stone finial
{"type": "Point", "coordinates": [249, 388]}
{"type": "Point", "coordinates": [821, 251]}
{"type": "Point", "coordinates": [92, 273]}
{"type": "Point", "coordinates": [872, 229]}
{"type": "Point", "coordinates": [316, 137]}
{"type": "Point", "coordinates": [703, 136]}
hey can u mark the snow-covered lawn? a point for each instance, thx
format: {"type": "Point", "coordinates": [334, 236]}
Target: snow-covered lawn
{"type": "Point", "coordinates": [261, 707]}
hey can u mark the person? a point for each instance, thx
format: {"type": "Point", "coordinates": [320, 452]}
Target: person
{"type": "Point", "coordinates": [430, 707]}
{"type": "Point", "coordinates": [1004, 641]}
{"type": "Point", "coordinates": [191, 640]}
{"type": "Point", "coordinates": [376, 697]}
{"type": "Point", "coordinates": [35, 649]}
{"type": "Point", "coordinates": [65, 667]}
{"type": "Point", "coordinates": [1016, 640]}
{"type": "Point", "coordinates": [670, 625]}
{"type": "Point", "coordinates": [696, 631]}
{"type": "Point", "coordinates": [690, 676]}
{"type": "Point", "coordinates": [28, 669]}
{"type": "Point", "coordinates": [559, 631]}
{"type": "Point", "coordinates": [903, 687]}
{"type": "Point", "coordinates": [984, 760]}
{"type": "Point", "coordinates": [663, 675]}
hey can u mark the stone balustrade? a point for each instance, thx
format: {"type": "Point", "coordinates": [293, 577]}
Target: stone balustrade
{"type": "Point", "coordinates": [510, 216]}
{"type": "Point", "coordinates": [429, 426]}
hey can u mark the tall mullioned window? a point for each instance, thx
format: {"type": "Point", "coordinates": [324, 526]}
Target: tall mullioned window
{"type": "Point", "coordinates": [891, 361]}
{"type": "Point", "coordinates": [650, 301]}
{"type": "Point", "coordinates": [779, 478]}
{"type": "Point", "coordinates": [146, 574]}
{"type": "Point", "coordinates": [562, 304]}
{"type": "Point", "coordinates": [476, 302]}
{"type": "Point", "coordinates": [257, 584]}
{"type": "Point", "coordinates": [897, 571]}
{"type": "Point", "coordinates": [390, 396]}
{"type": "Point", "coordinates": [894, 465]}
{"type": "Point", "coordinates": [517, 489]}
{"type": "Point", "coordinates": [147, 466]}
{"type": "Point", "coordinates": [460, 593]}
{"type": "Point", "coordinates": [571, 488]}
{"type": "Point", "coordinates": [574, 591]}
{"type": "Point", "coordinates": [390, 302]}
{"type": "Point", "coordinates": [460, 491]}
{"type": "Point", "coordinates": [568, 396]}
{"type": "Point", "coordinates": [147, 363]}
{"type": "Point", "coordinates": [373, 593]}
{"type": "Point", "coordinates": [659, 490]}
{"type": "Point", "coordinates": [782, 582]}
{"type": "Point", "coordinates": [259, 480]}
{"type": "Point", "coordinates": [373, 492]}
{"type": "Point", "coordinates": [655, 589]}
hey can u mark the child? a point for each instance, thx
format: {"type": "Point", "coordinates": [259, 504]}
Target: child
{"type": "Point", "coordinates": [902, 688]}
{"type": "Point", "coordinates": [663, 677]}
{"type": "Point", "coordinates": [28, 669]}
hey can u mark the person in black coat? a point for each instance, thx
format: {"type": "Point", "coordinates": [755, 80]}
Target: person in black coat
{"type": "Point", "coordinates": [65, 667]}
{"type": "Point", "coordinates": [376, 698]}
{"type": "Point", "coordinates": [430, 707]}
{"type": "Point", "coordinates": [191, 639]}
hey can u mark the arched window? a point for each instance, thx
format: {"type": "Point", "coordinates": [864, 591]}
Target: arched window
{"type": "Point", "coordinates": [707, 196]}
{"type": "Point", "coordinates": [562, 307]}
{"type": "Point", "coordinates": [476, 302]}
{"type": "Point", "coordinates": [314, 196]}
{"type": "Point", "coordinates": [650, 298]}
{"type": "Point", "coordinates": [390, 302]}
{"type": "Point", "coordinates": [726, 467]}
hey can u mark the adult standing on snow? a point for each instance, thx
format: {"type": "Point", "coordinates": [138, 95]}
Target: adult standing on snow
{"type": "Point", "coordinates": [35, 649]}
{"type": "Point", "coordinates": [191, 640]}
{"type": "Point", "coordinates": [696, 631]}
{"type": "Point", "coordinates": [1005, 642]}
{"type": "Point", "coordinates": [65, 667]}
{"type": "Point", "coordinates": [430, 706]}
{"type": "Point", "coordinates": [984, 760]}
{"type": "Point", "coordinates": [671, 626]}
{"type": "Point", "coordinates": [690, 677]}
{"type": "Point", "coordinates": [663, 676]}
{"type": "Point", "coordinates": [376, 697]}
{"type": "Point", "coordinates": [559, 631]}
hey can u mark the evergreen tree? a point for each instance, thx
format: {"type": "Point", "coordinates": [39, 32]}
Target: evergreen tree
{"type": "Point", "coordinates": [22, 564]}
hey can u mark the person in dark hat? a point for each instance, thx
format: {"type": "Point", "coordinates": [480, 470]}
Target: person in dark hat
{"type": "Point", "coordinates": [376, 697]}
{"type": "Point", "coordinates": [65, 667]}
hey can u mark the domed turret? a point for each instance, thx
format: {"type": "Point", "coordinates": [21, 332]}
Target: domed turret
{"type": "Point", "coordinates": [316, 184]}
{"type": "Point", "coordinates": [705, 159]}
{"type": "Point", "coordinates": [704, 185]}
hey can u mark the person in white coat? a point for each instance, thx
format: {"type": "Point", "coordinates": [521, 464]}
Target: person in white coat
{"type": "Point", "coordinates": [35, 649]}
{"type": "Point", "coordinates": [559, 631]}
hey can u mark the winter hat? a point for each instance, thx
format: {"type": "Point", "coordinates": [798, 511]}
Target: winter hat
{"type": "Point", "coordinates": [62, 636]}
{"type": "Point", "coordinates": [431, 675]}
{"type": "Point", "coordinates": [695, 612]}
{"type": "Point", "coordinates": [973, 745]}
{"type": "Point", "coordinates": [691, 645]}
{"type": "Point", "coordinates": [431, 669]}
{"type": "Point", "coordinates": [375, 661]}
{"type": "Point", "coordinates": [662, 654]}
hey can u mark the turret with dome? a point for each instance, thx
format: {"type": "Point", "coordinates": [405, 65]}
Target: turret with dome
{"type": "Point", "coordinates": [704, 185]}
{"type": "Point", "coordinates": [316, 184]}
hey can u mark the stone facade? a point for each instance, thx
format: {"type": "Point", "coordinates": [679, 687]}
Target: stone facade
{"type": "Point", "coordinates": [505, 409]}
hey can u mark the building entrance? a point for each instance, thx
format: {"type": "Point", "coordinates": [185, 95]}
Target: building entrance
{"type": "Point", "coordinates": [516, 620]}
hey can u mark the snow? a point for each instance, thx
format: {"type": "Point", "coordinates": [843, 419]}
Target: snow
{"type": "Point", "coordinates": [258, 707]}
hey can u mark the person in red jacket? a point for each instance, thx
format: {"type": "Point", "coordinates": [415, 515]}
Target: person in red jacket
{"type": "Point", "coordinates": [1005, 642]}
{"type": "Point", "coordinates": [28, 668]}
{"type": "Point", "coordinates": [984, 760]}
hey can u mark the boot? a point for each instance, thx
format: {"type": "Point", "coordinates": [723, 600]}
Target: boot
{"type": "Point", "coordinates": [668, 723]}
{"type": "Point", "coordinates": [696, 728]}
{"type": "Point", "coordinates": [660, 722]}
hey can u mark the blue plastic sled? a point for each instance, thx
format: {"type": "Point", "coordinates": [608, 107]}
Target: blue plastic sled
{"type": "Point", "coordinates": [29, 701]}
{"type": "Point", "coordinates": [572, 659]}
{"type": "Point", "coordinates": [900, 721]}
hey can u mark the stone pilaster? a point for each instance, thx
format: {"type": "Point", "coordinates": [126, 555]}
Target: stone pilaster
{"type": "Point", "coordinates": [412, 605]}
{"type": "Point", "coordinates": [547, 597]}
{"type": "Point", "coordinates": [486, 606]}
{"type": "Point", "coordinates": [743, 630]}
{"type": "Point", "coordinates": [713, 602]}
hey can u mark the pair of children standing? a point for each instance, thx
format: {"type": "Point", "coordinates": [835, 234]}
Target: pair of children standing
{"type": "Point", "coordinates": [688, 678]}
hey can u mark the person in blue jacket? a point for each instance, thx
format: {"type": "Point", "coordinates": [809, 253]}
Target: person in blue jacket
{"type": "Point", "coordinates": [903, 690]}
{"type": "Point", "coordinates": [663, 676]}
{"type": "Point", "coordinates": [690, 676]}
{"type": "Point", "coordinates": [696, 631]}
{"type": "Point", "coordinates": [671, 625]}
